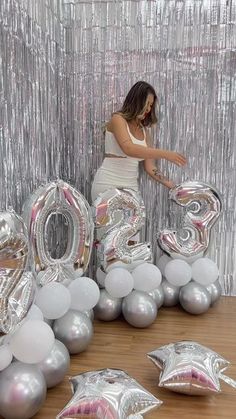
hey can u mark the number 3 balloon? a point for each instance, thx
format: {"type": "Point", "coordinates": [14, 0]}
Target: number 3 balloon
{"type": "Point", "coordinates": [203, 206]}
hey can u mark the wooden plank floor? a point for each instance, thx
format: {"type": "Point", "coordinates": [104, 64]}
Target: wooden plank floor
{"type": "Point", "coordinates": [119, 345]}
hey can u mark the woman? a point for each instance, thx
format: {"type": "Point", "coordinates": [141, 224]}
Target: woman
{"type": "Point", "coordinates": [127, 142]}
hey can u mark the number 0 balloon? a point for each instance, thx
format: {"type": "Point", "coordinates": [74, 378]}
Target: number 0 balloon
{"type": "Point", "coordinates": [59, 198]}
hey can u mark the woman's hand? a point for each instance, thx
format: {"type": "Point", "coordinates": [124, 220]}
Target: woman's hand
{"type": "Point", "coordinates": [175, 158]}
{"type": "Point", "coordinates": [168, 183]}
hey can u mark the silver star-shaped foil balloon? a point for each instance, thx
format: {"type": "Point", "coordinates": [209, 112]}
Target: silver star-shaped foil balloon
{"type": "Point", "coordinates": [190, 368]}
{"type": "Point", "coordinates": [108, 394]}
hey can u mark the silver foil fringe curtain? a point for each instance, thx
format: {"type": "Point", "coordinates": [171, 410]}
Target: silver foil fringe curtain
{"type": "Point", "coordinates": [66, 65]}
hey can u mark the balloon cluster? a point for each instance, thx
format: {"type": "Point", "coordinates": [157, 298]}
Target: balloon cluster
{"type": "Point", "coordinates": [129, 293]}
{"type": "Point", "coordinates": [46, 314]}
{"type": "Point", "coordinates": [191, 278]}
{"type": "Point", "coordinates": [196, 287]}
{"type": "Point", "coordinates": [135, 288]}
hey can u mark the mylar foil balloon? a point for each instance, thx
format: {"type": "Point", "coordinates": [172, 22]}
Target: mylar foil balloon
{"type": "Point", "coordinates": [114, 242]}
{"type": "Point", "coordinates": [203, 205]}
{"type": "Point", "coordinates": [59, 198]}
{"type": "Point", "coordinates": [107, 394]}
{"type": "Point", "coordinates": [16, 285]}
{"type": "Point", "coordinates": [190, 368]}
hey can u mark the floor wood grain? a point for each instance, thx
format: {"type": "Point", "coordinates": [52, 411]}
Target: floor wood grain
{"type": "Point", "coordinates": [118, 345]}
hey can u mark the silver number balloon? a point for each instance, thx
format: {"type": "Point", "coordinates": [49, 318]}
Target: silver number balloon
{"type": "Point", "coordinates": [114, 241]}
{"type": "Point", "coordinates": [59, 198]}
{"type": "Point", "coordinates": [17, 286]}
{"type": "Point", "coordinates": [203, 205]}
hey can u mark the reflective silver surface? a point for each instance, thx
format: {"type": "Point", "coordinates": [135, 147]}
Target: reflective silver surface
{"type": "Point", "coordinates": [108, 308]}
{"type": "Point", "coordinates": [215, 291]}
{"type": "Point", "coordinates": [194, 298]}
{"type": "Point", "coordinates": [67, 65]}
{"type": "Point", "coordinates": [203, 205]}
{"type": "Point", "coordinates": [59, 198]}
{"type": "Point", "coordinates": [171, 294]}
{"type": "Point", "coordinates": [17, 286]}
{"type": "Point", "coordinates": [126, 204]}
{"type": "Point", "coordinates": [158, 296]}
{"type": "Point", "coordinates": [75, 330]}
{"type": "Point", "coordinates": [139, 309]}
{"type": "Point", "coordinates": [190, 368]}
{"type": "Point", "coordinates": [22, 391]}
{"type": "Point", "coordinates": [55, 366]}
{"type": "Point", "coordinates": [108, 394]}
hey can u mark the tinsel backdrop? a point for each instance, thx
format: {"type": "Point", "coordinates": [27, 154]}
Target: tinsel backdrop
{"type": "Point", "coordinates": [66, 65]}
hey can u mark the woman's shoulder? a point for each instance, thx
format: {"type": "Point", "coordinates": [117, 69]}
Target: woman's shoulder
{"type": "Point", "coordinates": [117, 118]}
{"type": "Point", "coordinates": [117, 121]}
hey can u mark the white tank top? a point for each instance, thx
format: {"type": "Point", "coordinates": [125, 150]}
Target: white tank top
{"type": "Point", "coordinates": [112, 146]}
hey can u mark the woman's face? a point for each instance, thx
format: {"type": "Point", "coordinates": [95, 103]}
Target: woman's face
{"type": "Point", "coordinates": [147, 108]}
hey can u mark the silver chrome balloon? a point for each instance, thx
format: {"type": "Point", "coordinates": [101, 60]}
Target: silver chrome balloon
{"type": "Point", "coordinates": [75, 330]}
{"type": "Point", "coordinates": [59, 198]}
{"type": "Point", "coordinates": [190, 368]}
{"type": "Point", "coordinates": [139, 309]}
{"type": "Point", "coordinates": [22, 391]}
{"type": "Point", "coordinates": [202, 204]}
{"type": "Point", "coordinates": [55, 366]}
{"type": "Point", "coordinates": [158, 296]}
{"type": "Point", "coordinates": [171, 294]}
{"type": "Point", "coordinates": [90, 314]}
{"type": "Point", "coordinates": [215, 291]}
{"type": "Point", "coordinates": [194, 298]}
{"type": "Point", "coordinates": [108, 308]}
{"type": "Point", "coordinates": [114, 242]}
{"type": "Point", "coordinates": [108, 394]}
{"type": "Point", "coordinates": [17, 286]}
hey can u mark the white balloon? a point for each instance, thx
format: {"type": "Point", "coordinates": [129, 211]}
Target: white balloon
{"type": "Point", "coordinates": [35, 313]}
{"type": "Point", "coordinates": [178, 272]}
{"type": "Point", "coordinates": [100, 276]}
{"type": "Point", "coordinates": [162, 262]}
{"type": "Point", "coordinates": [84, 293]}
{"type": "Point", "coordinates": [54, 300]}
{"type": "Point", "coordinates": [39, 276]}
{"type": "Point", "coordinates": [5, 356]}
{"type": "Point", "coordinates": [32, 341]}
{"type": "Point", "coordinates": [147, 277]}
{"type": "Point", "coordinates": [119, 282]}
{"type": "Point", "coordinates": [205, 271]}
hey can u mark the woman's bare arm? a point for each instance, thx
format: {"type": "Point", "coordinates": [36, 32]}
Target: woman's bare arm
{"type": "Point", "coordinates": [153, 171]}
{"type": "Point", "coordinates": [118, 126]}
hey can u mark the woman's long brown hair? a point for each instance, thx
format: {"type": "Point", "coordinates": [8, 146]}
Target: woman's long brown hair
{"type": "Point", "coordinates": [135, 101]}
